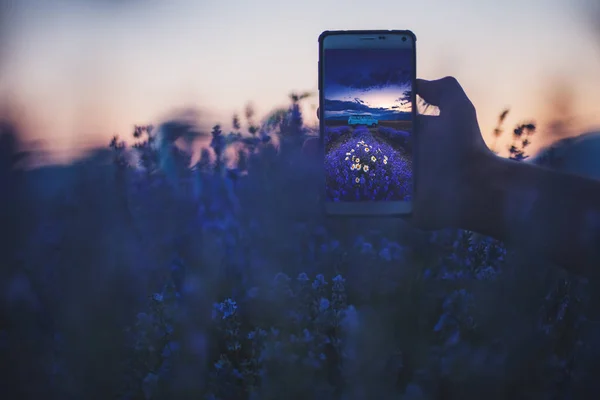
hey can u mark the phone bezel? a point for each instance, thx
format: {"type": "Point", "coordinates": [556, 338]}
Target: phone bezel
{"type": "Point", "coordinates": [370, 208]}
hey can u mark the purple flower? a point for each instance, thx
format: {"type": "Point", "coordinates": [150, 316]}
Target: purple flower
{"type": "Point", "coordinates": [360, 166]}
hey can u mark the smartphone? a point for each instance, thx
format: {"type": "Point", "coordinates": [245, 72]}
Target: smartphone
{"type": "Point", "coordinates": [367, 113]}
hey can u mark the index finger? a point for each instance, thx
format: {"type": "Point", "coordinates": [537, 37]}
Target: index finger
{"type": "Point", "coordinates": [441, 92]}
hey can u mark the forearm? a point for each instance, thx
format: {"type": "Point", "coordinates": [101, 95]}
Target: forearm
{"type": "Point", "coordinates": [546, 213]}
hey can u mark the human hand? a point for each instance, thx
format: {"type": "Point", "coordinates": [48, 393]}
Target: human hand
{"type": "Point", "coordinates": [450, 154]}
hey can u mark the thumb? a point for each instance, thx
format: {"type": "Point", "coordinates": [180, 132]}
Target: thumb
{"type": "Point", "coordinates": [441, 92]}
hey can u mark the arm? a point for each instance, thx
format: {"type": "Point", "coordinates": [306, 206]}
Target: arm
{"type": "Point", "coordinates": [546, 213]}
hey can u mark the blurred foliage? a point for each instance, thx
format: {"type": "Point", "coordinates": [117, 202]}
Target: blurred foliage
{"type": "Point", "coordinates": [155, 277]}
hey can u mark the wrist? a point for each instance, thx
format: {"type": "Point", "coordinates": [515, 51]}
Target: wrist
{"type": "Point", "coordinates": [484, 196]}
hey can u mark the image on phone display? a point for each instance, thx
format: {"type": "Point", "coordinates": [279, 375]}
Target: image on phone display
{"type": "Point", "coordinates": [367, 117]}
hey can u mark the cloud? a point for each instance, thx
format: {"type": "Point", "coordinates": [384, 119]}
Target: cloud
{"type": "Point", "coordinates": [375, 80]}
{"type": "Point", "coordinates": [342, 108]}
{"type": "Point", "coordinates": [341, 105]}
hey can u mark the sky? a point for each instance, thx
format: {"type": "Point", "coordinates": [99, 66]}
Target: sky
{"type": "Point", "coordinates": [375, 82]}
{"type": "Point", "coordinates": [80, 71]}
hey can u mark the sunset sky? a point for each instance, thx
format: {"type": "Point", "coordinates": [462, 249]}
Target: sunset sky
{"type": "Point", "coordinates": [363, 81]}
{"type": "Point", "coordinates": [82, 71]}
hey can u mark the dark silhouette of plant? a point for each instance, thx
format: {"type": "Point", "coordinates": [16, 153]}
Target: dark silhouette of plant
{"type": "Point", "coordinates": [236, 123]}
{"type": "Point", "coordinates": [521, 135]}
{"type": "Point", "coordinates": [218, 145]}
{"type": "Point", "coordinates": [295, 122]}
{"type": "Point", "coordinates": [289, 121]}
{"type": "Point", "coordinates": [250, 113]}
{"type": "Point", "coordinates": [499, 130]}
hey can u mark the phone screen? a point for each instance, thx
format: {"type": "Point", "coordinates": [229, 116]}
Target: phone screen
{"type": "Point", "coordinates": [367, 115]}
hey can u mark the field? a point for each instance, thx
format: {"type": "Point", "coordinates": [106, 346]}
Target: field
{"type": "Point", "coordinates": [148, 277]}
{"type": "Point", "coordinates": [396, 137]}
{"type": "Point", "coordinates": [367, 164]}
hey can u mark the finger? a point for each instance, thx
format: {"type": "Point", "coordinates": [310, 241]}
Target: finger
{"type": "Point", "coordinates": [442, 92]}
